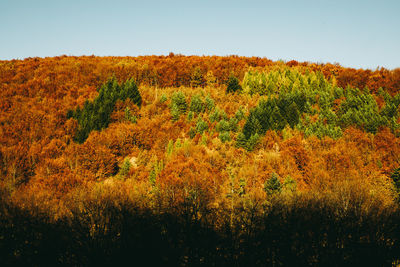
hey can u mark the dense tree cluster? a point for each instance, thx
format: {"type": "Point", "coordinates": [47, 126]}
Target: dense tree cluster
{"type": "Point", "coordinates": [314, 105]}
{"type": "Point", "coordinates": [96, 114]}
{"type": "Point", "coordinates": [197, 161]}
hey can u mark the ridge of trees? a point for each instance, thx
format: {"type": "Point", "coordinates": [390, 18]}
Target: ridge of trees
{"type": "Point", "coordinates": [305, 156]}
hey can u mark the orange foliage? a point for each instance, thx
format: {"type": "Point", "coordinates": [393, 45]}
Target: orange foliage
{"type": "Point", "coordinates": [36, 138]}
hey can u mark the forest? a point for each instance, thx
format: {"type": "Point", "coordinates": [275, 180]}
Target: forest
{"type": "Point", "coordinates": [198, 161]}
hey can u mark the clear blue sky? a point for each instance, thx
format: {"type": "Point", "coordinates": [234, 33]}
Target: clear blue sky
{"type": "Point", "coordinates": [362, 34]}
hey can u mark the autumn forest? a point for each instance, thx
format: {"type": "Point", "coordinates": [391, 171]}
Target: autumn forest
{"type": "Point", "coordinates": [198, 161]}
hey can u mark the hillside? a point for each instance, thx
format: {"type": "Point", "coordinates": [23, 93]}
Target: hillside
{"type": "Point", "coordinates": [188, 160]}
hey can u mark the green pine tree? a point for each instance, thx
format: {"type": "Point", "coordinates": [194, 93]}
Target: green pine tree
{"type": "Point", "coordinates": [292, 115]}
{"type": "Point", "coordinates": [272, 185]}
{"type": "Point", "coordinates": [241, 140]}
{"type": "Point", "coordinates": [396, 180]}
{"type": "Point", "coordinates": [233, 85]}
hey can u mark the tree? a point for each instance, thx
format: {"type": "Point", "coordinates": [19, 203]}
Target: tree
{"type": "Point", "coordinates": [196, 104]}
{"type": "Point", "coordinates": [197, 78]}
{"type": "Point", "coordinates": [252, 142]}
{"type": "Point", "coordinates": [224, 137]}
{"type": "Point", "coordinates": [292, 115]}
{"type": "Point", "coordinates": [210, 79]}
{"type": "Point", "coordinates": [252, 126]}
{"type": "Point", "coordinates": [175, 112]}
{"type": "Point", "coordinates": [209, 103]}
{"type": "Point", "coordinates": [278, 122]}
{"type": "Point", "coordinates": [396, 180]}
{"type": "Point", "coordinates": [179, 100]}
{"type": "Point", "coordinates": [201, 125]}
{"type": "Point", "coordinates": [126, 166]}
{"type": "Point", "coordinates": [272, 185]}
{"type": "Point", "coordinates": [241, 140]}
{"type": "Point", "coordinates": [233, 85]}
{"type": "Point", "coordinates": [96, 114]}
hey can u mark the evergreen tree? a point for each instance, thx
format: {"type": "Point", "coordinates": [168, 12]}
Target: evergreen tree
{"type": "Point", "coordinates": [225, 136]}
{"type": "Point", "coordinates": [126, 166]}
{"type": "Point", "coordinates": [95, 115]}
{"type": "Point", "coordinates": [223, 126]}
{"type": "Point", "coordinates": [239, 115]}
{"type": "Point", "coordinates": [272, 185]}
{"type": "Point", "coordinates": [178, 99]}
{"type": "Point", "coordinates": [289, 185]}
{"type": "Point", "coordinates": [292, 115]}
{"type": "Point", "coordinates": [252, 126]}
{"type": "Point", "coordinates": [152, 176]}
{"type": "Point", "coordinates": [192, 132]}
{"type": "Point", "coordinates": [252, 142]}
{"type": "Point", "coordinates": [215, 116]}
{"type": "Point", "coordinates": [209, 103]}
{"type": "Point", "coordinates": [163, 98]}
{"type": "Point", "coordinates": [190, 116]}
{"type": "Point", "coordinates": [233, 124]}
{"type": "Point", "coordinates": [175, 112]}
{"type": "Point", "coordinates": [241, 140]}
{"type": "Point", "coordinates": [396, 180]}
{"type": "Point", "coordinates": [196, 104]}
{"type": "Point", "coordinates": [278, 122]}
{"type": "Point", "coordinates": [201, 125]}
{"type": "Point", "coordinates": [233, 85]}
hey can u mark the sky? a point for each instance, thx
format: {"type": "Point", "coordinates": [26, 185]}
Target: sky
{"type": "Point", "coordinates": [353, 33]}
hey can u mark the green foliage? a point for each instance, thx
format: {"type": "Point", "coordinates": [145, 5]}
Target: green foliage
{"type": "Point", "coordinates": [126, 166]}
{"type": "Point", "coordinates": [95, 115]}
{"type": "Point", "coordinates": [130, 117]}
{"type": "Point", "coordinates": [190, 116]}
{"type": "Point", "coordinates": [157, 167]}
{"type": "Point", "coordinates": [283, 80]}
{"type": "Point", "coordinates": [178, 100]}
{"type": "Point", "coordinates": [361, 109]}
{"type": "Point", "coordinates": [252, 142]}
{"type": "Point", "coordinates": [223, 126]}
{"type": "Point", "coordinates": [272, 185]}
{"type": "Point", "coordinates": [170, 147]}
{"type": "Point", "coordinates": [175, 112]}
{"type": "Point", "coordinates": [152, 177]}
{"type": "Point", "coordinates": [196, 105]}
{"type": "Point", "coordinates": [233, 124]}
{"type": "Point", "coordinates": [204, 139]}
{"type": "Point", "coordinates": [241, 140]}
{"type": "Point", "coordinates": [396, 180]}
{"type": "Point", "coordinates": [292, 114]}
{"type": "Point", "coordinates": [201, 125]}
{"type": "Point", "coordinates": [233, 85]}
{"type": "Point", "coordinates": [163, 98]}
{"type": "Point", "coordinates": [178, 143]}
{"type": "Point", "coordinates": [240, 114]}
{"type": "Point", "coordinates": [273, 113]}
{"type": "Point", "coordinates": [252, 126]}
{"type": "Point", "coordinates": [293, 95]}
{"type": "Point", "coordinates": [289, 184]}
{"type": "Point", "coordinates": [217, 115]}
{"type": "Point", "coordinates": [224, 137]}
{"type": "Point", "coordinates": [227, 125]}
{"type": "Point", "coordinates": [319, 129]}
{"type": "Point", "coordinates": [192, 132]}
{"type": "Point", "coordinates": [209, 103]}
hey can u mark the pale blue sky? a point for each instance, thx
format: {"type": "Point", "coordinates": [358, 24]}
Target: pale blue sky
{"type": "Point", "coordinates": [362, 34]}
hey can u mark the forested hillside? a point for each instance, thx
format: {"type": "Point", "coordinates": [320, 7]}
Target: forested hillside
{"type": "Point", "coordinates": [186, 160]}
